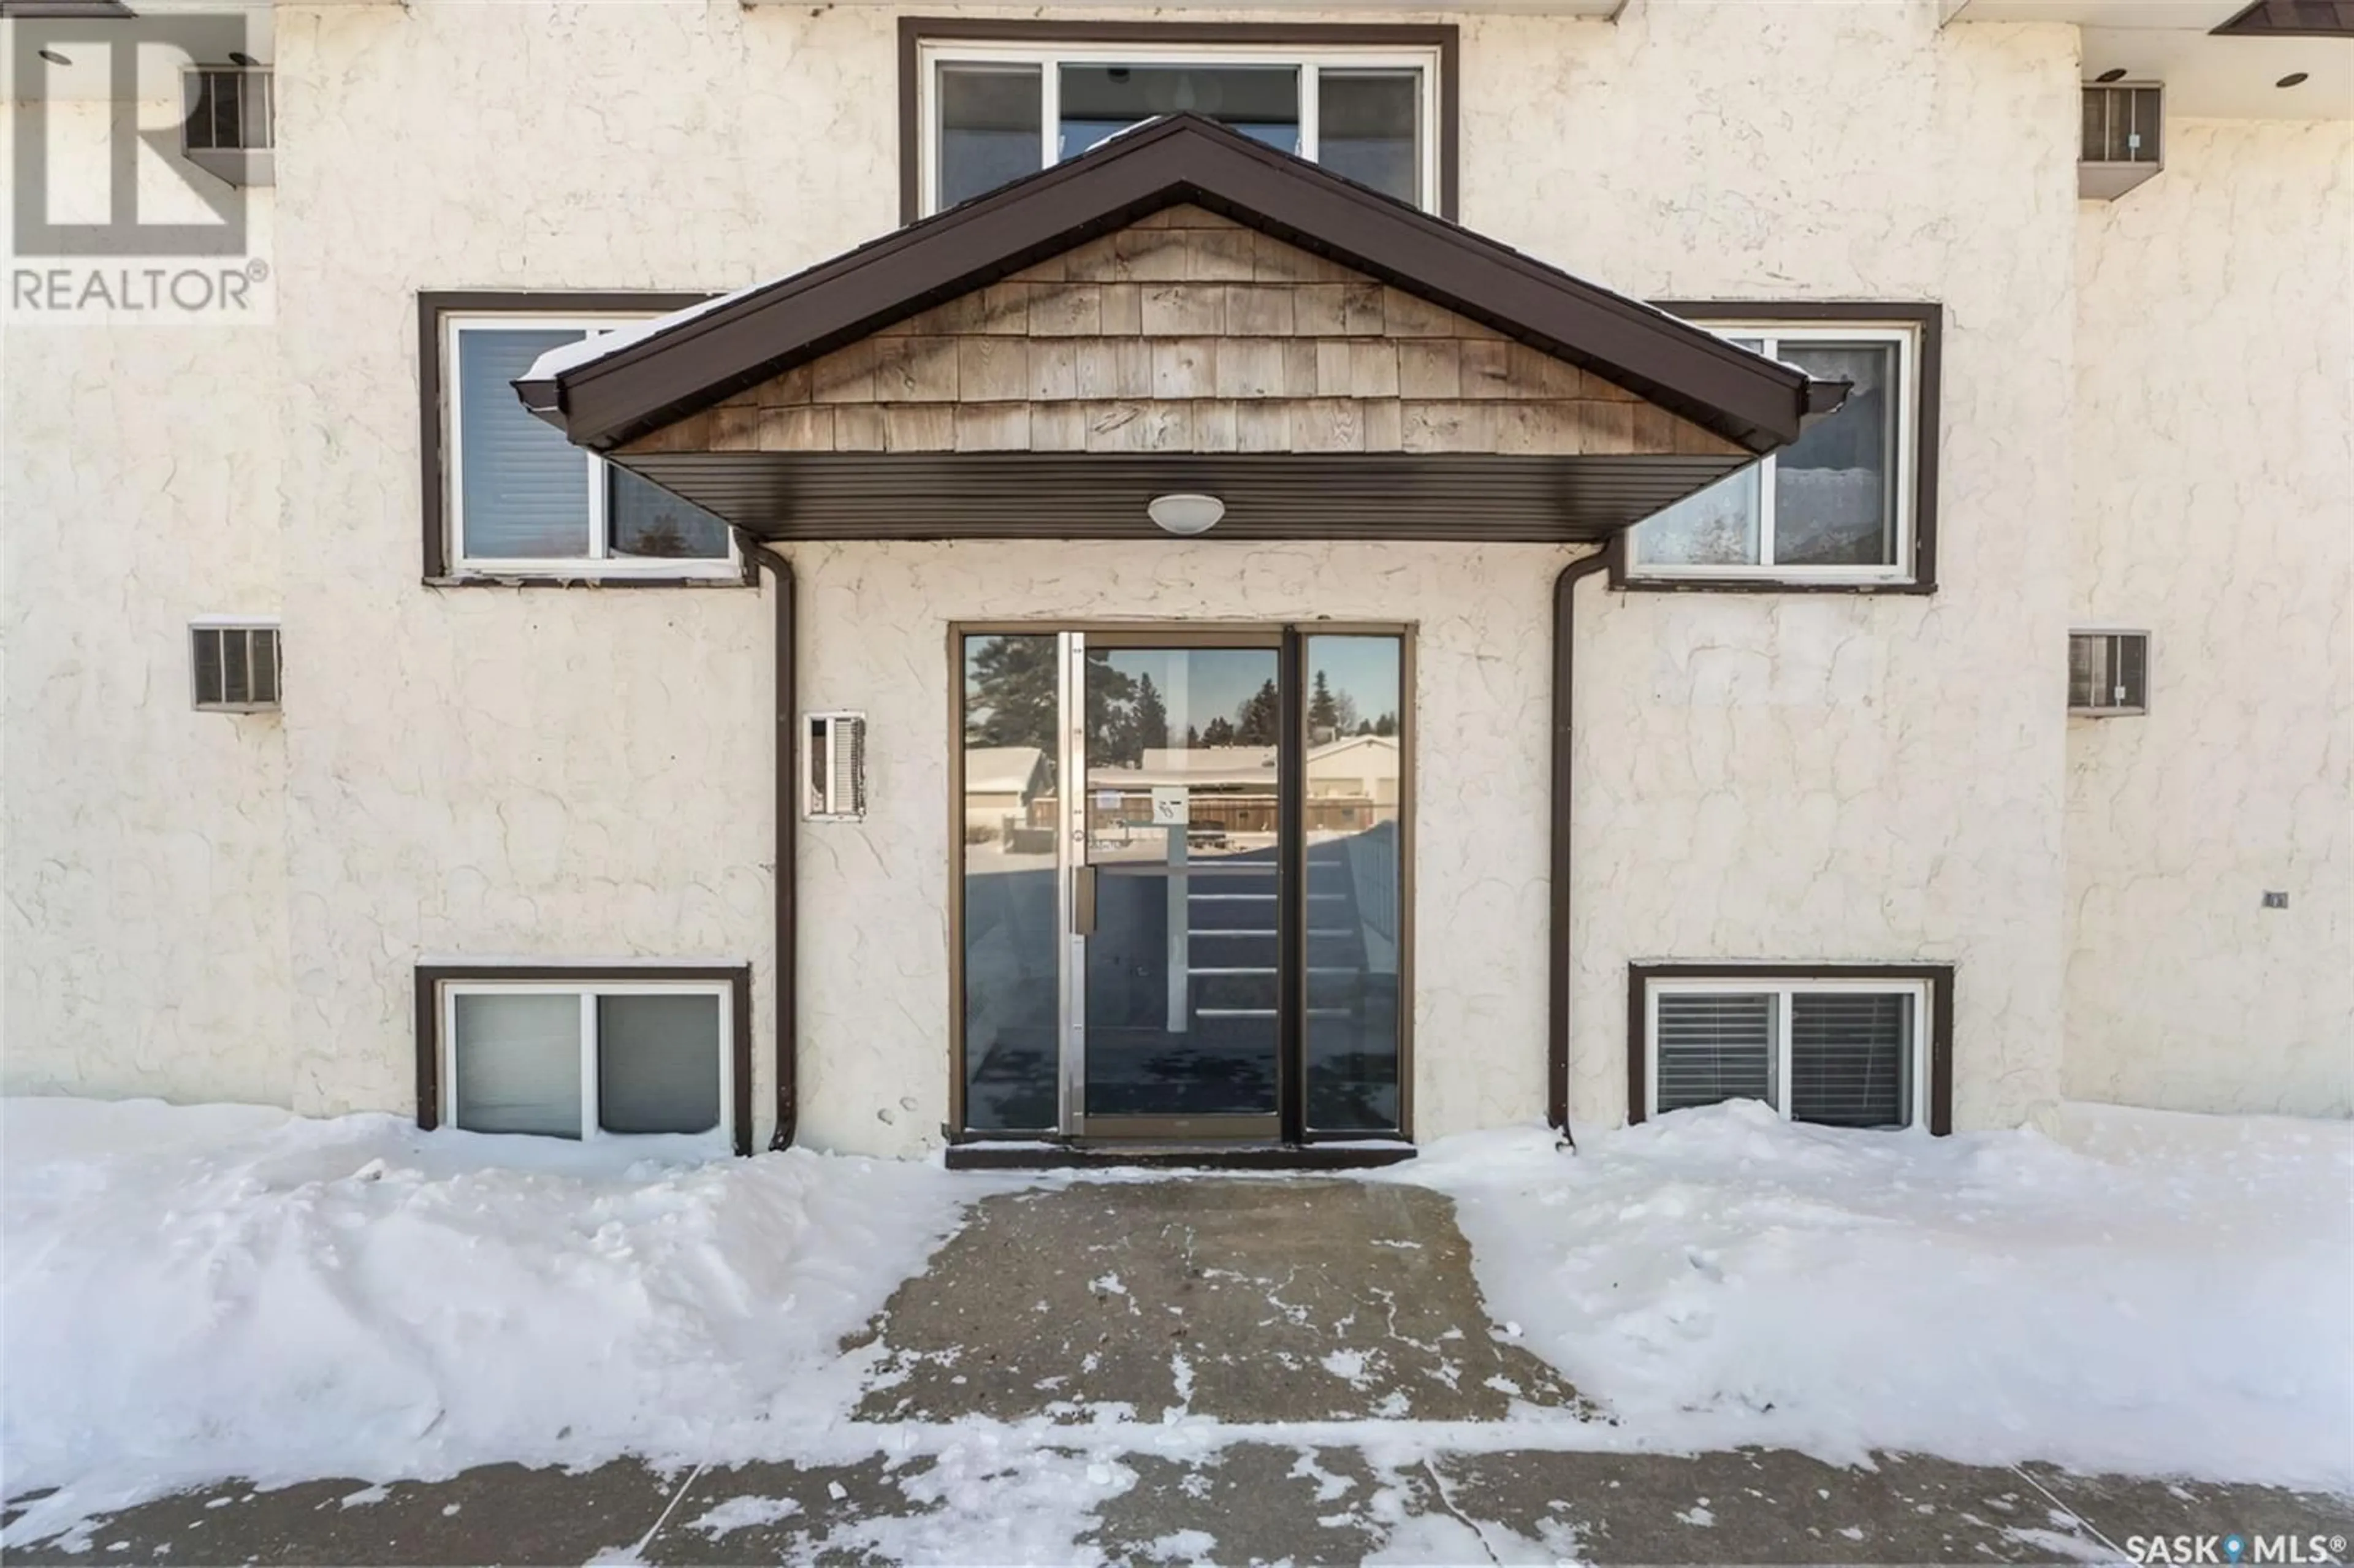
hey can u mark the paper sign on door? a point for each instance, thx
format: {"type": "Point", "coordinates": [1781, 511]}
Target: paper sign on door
{"type": "Point", "coordinates": [1168, 806]}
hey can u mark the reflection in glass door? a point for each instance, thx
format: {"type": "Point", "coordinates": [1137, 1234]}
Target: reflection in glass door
{"type": "Point", "coordinates": [1182, 902]}
{"type": "Point", "coordinates": [1355, 859]}
{"type": "Point", "coordinates": [1180, 891]}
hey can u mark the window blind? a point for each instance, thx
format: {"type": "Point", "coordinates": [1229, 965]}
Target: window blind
{"type": "Point", "coordinates": [522, 488]}
{"type": "Point", "coordinates": [1849, 1052]}
{"type": "Point", "coordinates": [658, 1063]}
{"type": "Point", "coordinates": [518, 1064]}
{"type": "Point", "coordinates": [1714, 1048]}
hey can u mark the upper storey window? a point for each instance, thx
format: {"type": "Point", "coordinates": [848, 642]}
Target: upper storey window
{"type": "Point", "coordinates": [990, 110]}
{"type": "Point", "coordinates": [1850, 504]}
{"type": "Point", "coordinates": [522, 502]}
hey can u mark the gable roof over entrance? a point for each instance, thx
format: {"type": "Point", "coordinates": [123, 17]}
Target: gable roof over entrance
{"type": "Point", "coordinates": [1561, 349]}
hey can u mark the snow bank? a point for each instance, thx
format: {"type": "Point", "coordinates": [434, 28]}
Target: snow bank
{"type": "Point", "coordinates": [201, 1292]}
{"type": "Point", "coordinates": [2162, 1294]}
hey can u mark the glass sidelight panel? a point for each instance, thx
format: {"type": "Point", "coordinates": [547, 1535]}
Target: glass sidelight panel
{"type": "Point", "coordinates": [1179, 900]}
{"type": "Point", "coordinates": [1012, 938]}
{"type": "Point", "coordinates": [1355, 874]}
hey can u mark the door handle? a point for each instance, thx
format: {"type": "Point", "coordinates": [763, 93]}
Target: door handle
{"type": "Point", "coordinates": [1083, 901]}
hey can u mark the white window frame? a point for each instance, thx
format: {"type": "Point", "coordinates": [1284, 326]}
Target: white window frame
{"type": "Point", "coordinates": [1782, 989]}
{"type": "Point", "coordinates": [1771, 336]}
{"type": "Point", "coordinates": [587, 991]}
{"type": "Point", "coordinates": [1049, 57]}
{"type": "Point", "coordinates": [599, 561]}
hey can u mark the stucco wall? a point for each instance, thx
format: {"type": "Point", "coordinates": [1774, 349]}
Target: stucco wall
{"type": "Point", "coordinates": [1825, 776]}
{"type": "Point", "coordinates": [143, 844]}
{"type": "Point", "coordinates": [2216, 508]}
{"type": "Point", "coordinates": [575, 774]}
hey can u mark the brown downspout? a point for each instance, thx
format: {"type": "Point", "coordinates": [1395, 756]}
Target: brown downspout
{"type": "Point", "coordinates": [1564, 658]}
{"type": "Point", "coordinates": [787, 953]}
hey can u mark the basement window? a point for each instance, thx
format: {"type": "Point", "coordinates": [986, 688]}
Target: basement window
{"type": "Point", "coordinates": [523, 502]}
{"type": "Point", "coordinates": [585, 1059]}
{"type": "Point", "coordinates": [1836, 508]}
{"type": "Point", "coordinates": [995, 110]}
{"type": "Point", "coordinates": [1840, 1053]}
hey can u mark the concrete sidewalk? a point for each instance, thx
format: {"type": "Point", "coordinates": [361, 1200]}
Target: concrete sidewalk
{"type": "Point", "coordinates": [1104, 1309]}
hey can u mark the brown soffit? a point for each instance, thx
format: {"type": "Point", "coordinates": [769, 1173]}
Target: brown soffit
{"type": "Point", "coordinates": [703, 359]}
{"type": "Point", "coordinates": [780, 496]}
{"type": "Point", "coordinates": [1939, 978]}
{"type": "Point", "coordinates": [2292, 19]}
{"type": "Point", "coordinates": [917, 31]}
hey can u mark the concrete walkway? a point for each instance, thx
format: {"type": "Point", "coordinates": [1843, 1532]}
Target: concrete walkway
{"type": "Point", "coordinates": [1250, 1301]}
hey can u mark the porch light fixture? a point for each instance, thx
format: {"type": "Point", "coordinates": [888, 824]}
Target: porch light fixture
{"type": "Point", "coordinates": [1185, 515]}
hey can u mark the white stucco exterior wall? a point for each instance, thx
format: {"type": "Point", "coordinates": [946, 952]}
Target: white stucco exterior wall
{"type": "Point", "coordinates": [2215, 509]}
{"type": "Point", "coordinates": [581, 774]}
{"type": "Point", "coordinates": [1824, 777]}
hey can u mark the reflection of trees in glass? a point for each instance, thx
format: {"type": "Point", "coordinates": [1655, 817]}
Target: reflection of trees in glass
{"type": "Point", "coordinates": [1218, 732]}
{"type": "Point", "coordinates": [1112, 734]}
{"type": "Point", "coordinates": [1259, 720]}
{"type": "Point", "coordinates": [1331, 714]}
{"type": "Point", "coordinates": [1151, 716]}
{"type": "Point", "coordinates": [1009, 692]}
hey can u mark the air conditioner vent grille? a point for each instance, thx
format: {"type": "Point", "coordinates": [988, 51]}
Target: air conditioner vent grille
{"type": "Point", "coordinates": [2108, 672]}
{"type": "Point", "coordinates": [836, 767]}
{"type": "Point", "coordinates": [234, 669]}
{"type": "Point", "coordinates": [228, 110]}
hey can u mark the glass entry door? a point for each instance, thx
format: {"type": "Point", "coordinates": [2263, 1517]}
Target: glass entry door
{"type": "Point", "coordinates": [1181, 893]}
{"type": "Point", "coordinates": [1177, 937]}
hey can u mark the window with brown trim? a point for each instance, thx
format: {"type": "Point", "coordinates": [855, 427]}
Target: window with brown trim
{"type": "Point", "coordinates": [1863, 1045]}
{"type": "Point", "coordinates": [507, 498]}
{"type": "Point", "coordinates": [982, 103]}
{"type": "Point", "coordinates": [1851, 506]}
{"type": "Point", "coordinates": [585, 1051]}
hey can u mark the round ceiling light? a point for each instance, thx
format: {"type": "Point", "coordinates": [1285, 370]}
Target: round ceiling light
{"type": "Point", "coordinates": [2117, 74]}
{"type": "Point", "coordinates": [2291, 79]}
{"type": "Point", "coordinates": [1185, 515]}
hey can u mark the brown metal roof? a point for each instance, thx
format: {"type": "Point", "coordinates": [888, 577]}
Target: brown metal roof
{"type": "Point", "coordinates": [709, 355]}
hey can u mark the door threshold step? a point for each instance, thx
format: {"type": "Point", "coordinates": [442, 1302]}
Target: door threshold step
{"type": "Point", "coordinates": [1355, 1154]}
{"type": "Point", "coordinates": [1266, 1012]}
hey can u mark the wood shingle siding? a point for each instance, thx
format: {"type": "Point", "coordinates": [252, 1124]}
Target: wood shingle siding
{"type": "Point", "coordinates": [1187, 333]}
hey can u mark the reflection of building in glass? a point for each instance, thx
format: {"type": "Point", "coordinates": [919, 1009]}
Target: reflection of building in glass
{"type": "Point", "coordinates": [999, 784]}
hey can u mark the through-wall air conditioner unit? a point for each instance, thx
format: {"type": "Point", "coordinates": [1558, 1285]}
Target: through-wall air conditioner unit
{"type": "Point", "coordinates": [2109, 673]}
{"type": "Point", "coordinates": [835, 766]}
{"type": "Point", "coordinates": [233, 667]}
{"type": "Point", "coordinates": [2123, 145]}
{"type": "Point", "coordinates": [230, 129]}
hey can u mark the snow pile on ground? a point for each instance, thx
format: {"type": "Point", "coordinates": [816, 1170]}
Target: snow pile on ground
{"type": "Point", "coordinates": [2144, 1292]}
{"type": "Point", "coordinates": [198, 1292]}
